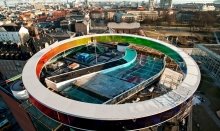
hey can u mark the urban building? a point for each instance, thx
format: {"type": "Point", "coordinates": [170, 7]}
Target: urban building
{"type": "Point", "coordinates": [13, 56]}
{"type": "Point", "coordinates": [60, 76]}
{"type": "Point", "coordinates": [75, 14]}
{"type": "Point", "coordinates": [13, 49]}
{"type": "Point", "coordinates": [208, 55]}
{"type": "Point", "coordinates": [59, 35]}
{"type": "Point", "coordinates": [13, 33]}
{"type": "Point", "coordinates": [19, 113]}
{"type": "Point", "coordinates": [41, 41]}
{"type": "Point", "coordinates": [39, 6]}
{"type": "Point", "coordinates": [83, 26]}
{"type": "Point", "coordinates": [17, 46]}
{"type": "Point", "coordinates": [142, 15]}
{"type": "Point", "coordinates": [64, 24]}
{"type": "Point", "coordinates": [129, 28]}
{"type": "Point", "coordinates": [207, 7]}
{"type": "Point", "coordinates": [217, 7]}
{"type": "Point", "coordinates": [110, 15]}
{"type": "Point", "coordinates": [151, 5]}
{"type": "Point", "coordinates": [185, 16]}
{"type": "Point", "coordinates": [87, 3]}
{"type": "Point", "coordinates": [117, 17]}
{"type": "Point", "coordinates": [10, 68]}
{"type": "Point", "coordinates": [128, 18]}
{"type": "Point", "coordinates": [118, 85]}
{"type": "Point", "coordinates": [166, 4]}
{"type": "Point", "coordinates": [196, 7]}
{"type": "Point", "coordinates": [97, 14]}
{"type": "Point", "coordinates": [136, 15]}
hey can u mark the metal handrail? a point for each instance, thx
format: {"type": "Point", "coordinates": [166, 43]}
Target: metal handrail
{"type": "Point", "coordinates": [142, 84]}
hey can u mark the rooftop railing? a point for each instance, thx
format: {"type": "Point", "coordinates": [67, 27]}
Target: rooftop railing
{"type": "Point", "coordinates": [127, 94]}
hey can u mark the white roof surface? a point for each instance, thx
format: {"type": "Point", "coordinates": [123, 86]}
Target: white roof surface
{"type": "Point", "coordinates": [123, 25]}
{"type": "Point", "coordinates": [111, 112]}
{"type": "Point", "coordinates": [103, 85]}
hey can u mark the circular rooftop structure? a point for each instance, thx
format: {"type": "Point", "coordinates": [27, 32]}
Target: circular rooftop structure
{"type": "Point", "coordinates": [128, 116]}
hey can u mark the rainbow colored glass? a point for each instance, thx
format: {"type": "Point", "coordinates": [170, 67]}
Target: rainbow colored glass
{"type": "Point", "coordinates": [111, 38]}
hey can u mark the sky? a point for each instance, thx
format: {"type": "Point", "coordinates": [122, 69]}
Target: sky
{"type": "Point", "coordinates": [174, 1]}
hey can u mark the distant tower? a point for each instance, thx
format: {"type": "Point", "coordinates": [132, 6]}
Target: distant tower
{"type": "Point", "coordinates": [5, 3]}
{"type": "Point", "coordinates": [165, 4]}
{"type": "Point", "coordinates": [87, 3]}
{"type": "Point", "coordinates": [151, 5]}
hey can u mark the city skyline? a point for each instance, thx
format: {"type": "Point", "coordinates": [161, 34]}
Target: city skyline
{"type": "Point", "coordinates": [157, 1]}
{"type": "Point", "coordinates": [110, 65]}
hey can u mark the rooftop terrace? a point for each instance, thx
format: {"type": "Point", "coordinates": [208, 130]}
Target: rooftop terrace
{"type": "Point", "coordinates": [103, 86]}
{"type": "Point", "coordinates": [85, 115]}
{"type": "Point", "coordinates": [59, 82]}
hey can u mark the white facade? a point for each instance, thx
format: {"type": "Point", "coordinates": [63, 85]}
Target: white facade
{"type": "Point", "coordinates": [208, 8]}
{"type": "Point", "coordinates": [19, 37]}
{"type": "Point", "coordinates": [141, 15]}
{"type": "Point", "coordinates": [24, 35]}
